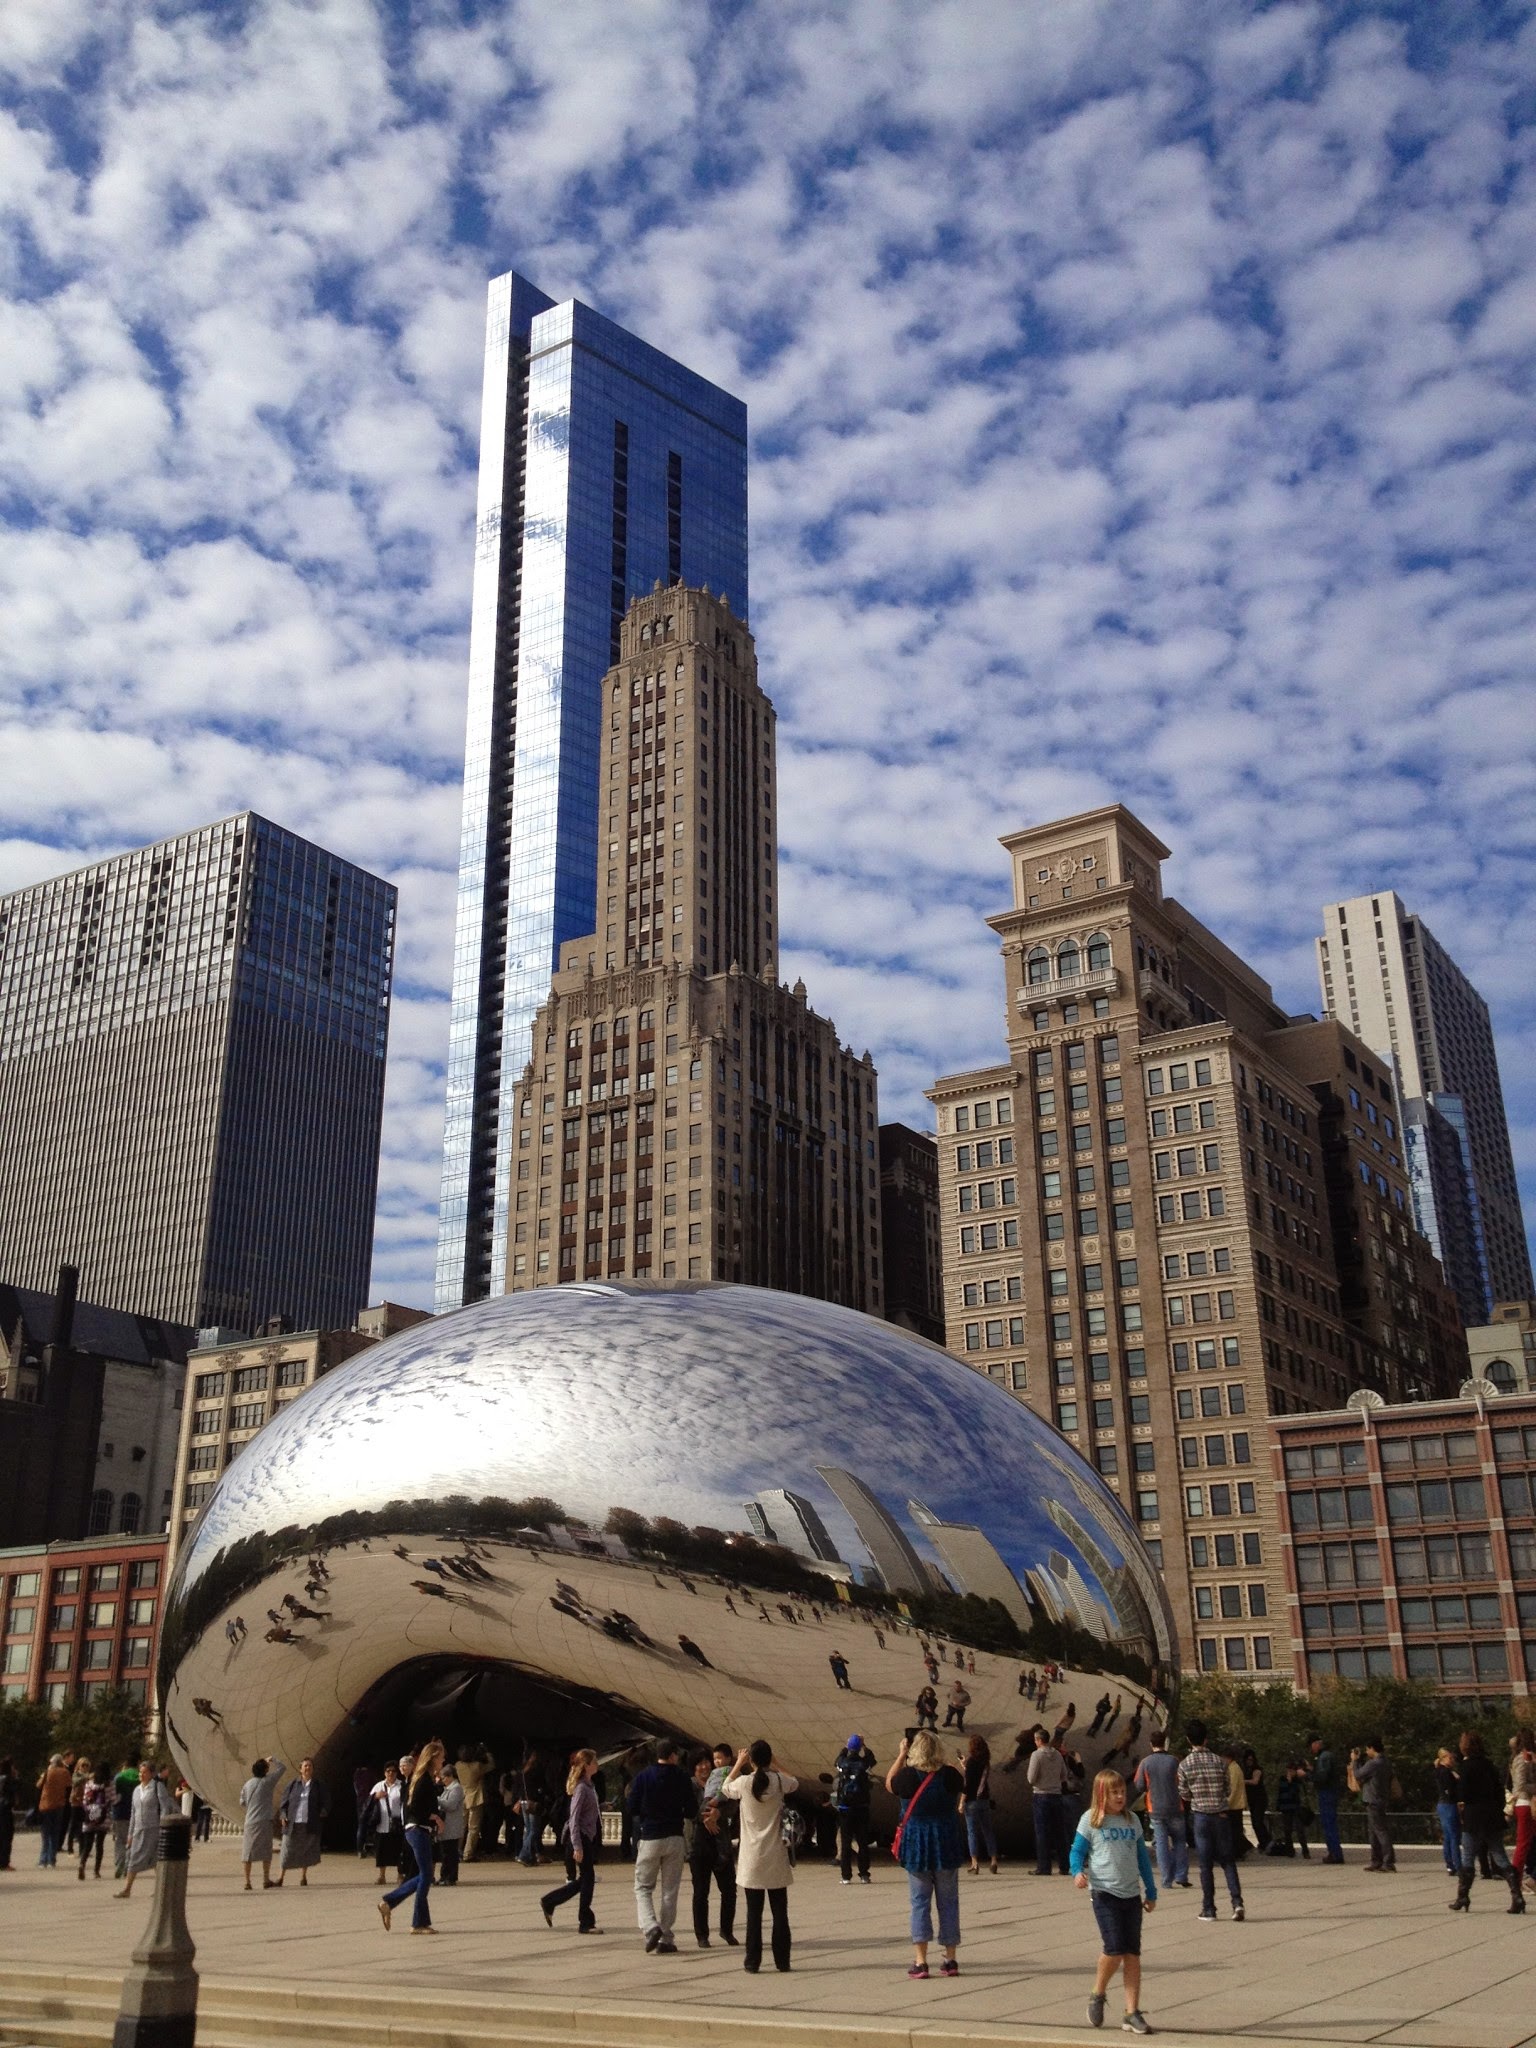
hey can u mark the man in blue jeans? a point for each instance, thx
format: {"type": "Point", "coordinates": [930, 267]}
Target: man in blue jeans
{"type": "Point", "coordinates": [1157, 1777]}
{"type": "Point", "coordinates": [1203, 1788]}
{"type": "Point", "coordinates": [1324, 1773]}
{"type": "Point", "coordinates": [1048, 1782]}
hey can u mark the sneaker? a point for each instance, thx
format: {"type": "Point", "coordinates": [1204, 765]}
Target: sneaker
{"type": "Point", "coordinates": [866, 1878]}
{"type": "Point", "coordinates": [1237, 1913]}
{"type": "Point", "coordinates": [949, 1967]}
{"type": "Point", "coordinates": [845, 1880]}
{"type": "Point", "coordinates": [1096, 2009]}
{"type": "Point", "coordinates": [1205, 1914]}
{"type": "Point", "coordinates": [918, 1970]}
{"type": "Point", "coordinates": [653, 1941]}
{"type": "Point", "coordinates": [1133, 2023]}
{"type": "Point", "coordinates": [667, 1948]}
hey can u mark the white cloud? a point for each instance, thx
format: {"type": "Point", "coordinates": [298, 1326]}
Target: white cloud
{"type": "Point", "coordinates": [1142, 397]}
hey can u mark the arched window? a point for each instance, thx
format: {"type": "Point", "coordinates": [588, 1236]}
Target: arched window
{"type": "Point", "coordinates": [1502, 1373]}
{"type": "Point", "coordinates": [101, 1512]}
{"type": "Point", "coordinates": [1068, 959]}
{"type": "Point", "coordinates": [128, 1514]}
{"type": "Point", "coordinates": [1098, 953]}
{"type": "Point", "coordinates": [1039, 965]}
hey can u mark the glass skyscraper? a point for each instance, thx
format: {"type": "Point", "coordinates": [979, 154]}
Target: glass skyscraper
{"type": "Point", "coordinates": [192, 1041]}
{"type": "Point", "coordinates": [605, 468]}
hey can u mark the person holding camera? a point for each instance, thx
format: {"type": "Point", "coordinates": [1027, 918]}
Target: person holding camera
{"type": "Point", "coordinates": [765, 1869]}
{"type": "Point", "coordinates": [1370, 1775]}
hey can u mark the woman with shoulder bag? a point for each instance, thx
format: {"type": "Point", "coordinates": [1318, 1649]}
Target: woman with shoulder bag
{"type": "Point", "coordinates": [764, 1867]}
{"type": "Point", "coordinates": [929, 1845]}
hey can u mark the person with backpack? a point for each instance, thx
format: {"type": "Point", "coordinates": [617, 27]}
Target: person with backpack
{"type": "Point", "coordinates": [96, 1805]}
{"type": "Point", "coordinates": [851, 1776]}
{"type": "Point", "coordinates": [765, 1868]}
{"type": "Point", "coordinates": [929, 1846]}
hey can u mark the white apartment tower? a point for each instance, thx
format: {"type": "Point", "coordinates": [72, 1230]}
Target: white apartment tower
{"type": "Point", "coordinates": [1384, 974]}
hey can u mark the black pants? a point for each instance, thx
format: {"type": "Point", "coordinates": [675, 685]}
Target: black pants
{"type": "Point", "coordinates": [709, 1864]}
{"type": "Point", "coordinates": [579, 1880]}
{"type": "Point", "coordinates": [853, 1833]}
{"type": "Point", "coordinates": [778, 1905]}
{"type": "Point", "coordinates": [90, 1837]}
{"type": "Point", "coordinates": [448, 1871]}
{"type": "Point", "coordinates": [7, 1834]}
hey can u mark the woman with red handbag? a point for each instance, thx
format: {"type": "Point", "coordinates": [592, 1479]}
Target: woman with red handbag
{"type": "Point", "coordinates": [929, 1845]}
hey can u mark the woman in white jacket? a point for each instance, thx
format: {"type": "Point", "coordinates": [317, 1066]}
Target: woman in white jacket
{"type": "Point", "coordinates": [764, 1867]}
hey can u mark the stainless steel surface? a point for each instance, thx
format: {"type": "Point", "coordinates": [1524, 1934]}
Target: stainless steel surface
{"type": "Point", "coordinates": [623, 1465]}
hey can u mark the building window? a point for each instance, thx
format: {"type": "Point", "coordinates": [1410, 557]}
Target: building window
{"type": "Point", "coordinates": [100, 1522]}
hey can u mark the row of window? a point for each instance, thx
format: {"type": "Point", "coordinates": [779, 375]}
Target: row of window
{"type": "Point", "coordinates": [1068, 961]}
{"type": "Point", "coordinates": [980, 1116]}
{"type": "Point", "coordinates": [1085, 1180]}
{"type": "Point", "coordinates": [1193, 1205]}
{"type": "Point", "coordinates": [1216, 1450]}
{"type": "Point", "coordinates": [249, 1379]}
{"type": "Point", "coordinates": [1174, 1080]}
{"type": "Point", "coordinates": [1183, 1119]}
{"type": "Point", "coordinates": [1218, 1501]}
{"type": "Point", "coordinates": [1074, 1057]}
{"type": "Point", "coordinates": [1237, 1653]}
{"type": "Point", "coordinates": [1121, 1218]}
{"type": "Point", "coordinates": [1096, 1322]}
{"type": "Point", "coordinates": [1082, 1140]}
{"type": "Point", "coordinates": [1226, 1551]}
{"type": "Point", "coordinates": [1139, 1410]}
{"type": "Point", "coordinates": [1197, 1308]}
{"type": "Point", "coordinates": [95, 1655]}
{"type": "Point", "coordinates": [1186, 1163]}
{"type": "Point", "coordinates": [1205, 1353]}
{"type": "Point", "coordinates": [990, 1152]}
{"type": "Point", "coordinates": [1226, 1602]}
{"type": "Point", "coordinates": [1111, 1092]}
{"type": "Point", "coordinates": [143, 1576]}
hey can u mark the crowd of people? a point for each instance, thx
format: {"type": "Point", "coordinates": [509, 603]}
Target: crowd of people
{"type": "Point", "coordinates": [79, 1806]}
{"type": "Point", "coordinates": [734, 1822]}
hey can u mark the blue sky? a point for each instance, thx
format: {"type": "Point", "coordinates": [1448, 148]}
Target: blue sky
{"type": "Point", "coordinates": [1141, 394]}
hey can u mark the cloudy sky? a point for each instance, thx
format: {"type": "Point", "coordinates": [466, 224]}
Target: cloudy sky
{"type": "Point", "coordinates": [1141, 395]}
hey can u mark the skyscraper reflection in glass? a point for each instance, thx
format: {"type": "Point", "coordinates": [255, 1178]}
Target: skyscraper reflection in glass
{"type": "Point", "coordinates": [605, 467]}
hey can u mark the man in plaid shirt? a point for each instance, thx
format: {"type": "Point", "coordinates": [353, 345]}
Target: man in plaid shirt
{"type": "Point", "coordinates": [1203, 1788]}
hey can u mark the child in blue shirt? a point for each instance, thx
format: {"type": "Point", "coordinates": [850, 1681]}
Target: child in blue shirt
{"type": "Point", "coordinates": [1109, 1854]}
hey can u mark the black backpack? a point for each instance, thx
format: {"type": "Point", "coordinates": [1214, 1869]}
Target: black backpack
{"type": "Point", "coordinates": [851, 1785]}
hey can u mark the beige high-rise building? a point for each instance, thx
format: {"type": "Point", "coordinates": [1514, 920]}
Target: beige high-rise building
{"type": "Point", "coordinates": [1142, 1212]}
{"type": "Point", "coordinates": [235, 1389]}
{"type": "Point", "coordinates": [684, 1116]}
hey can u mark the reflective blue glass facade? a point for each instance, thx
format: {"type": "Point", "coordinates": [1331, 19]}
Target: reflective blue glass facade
{"type": "Point", "coordinates": [605, 467]}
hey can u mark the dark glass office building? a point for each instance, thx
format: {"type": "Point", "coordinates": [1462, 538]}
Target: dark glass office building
{"type": "Point", "coordinates": [192, 1044]}
{"type": "Point", "coordinates": [605, 468]}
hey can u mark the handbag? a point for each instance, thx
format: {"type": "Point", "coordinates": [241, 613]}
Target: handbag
{"type": "Point", "coordinates": [901, 1825]}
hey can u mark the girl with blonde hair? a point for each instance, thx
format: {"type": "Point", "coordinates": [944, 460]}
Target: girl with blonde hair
{"type": "Point", "coordinates": [422, 1822]}
{"type": "Point", "coordinates": [580, 1838]}
{"type": "Point", "coordinates": [1110, 1861]}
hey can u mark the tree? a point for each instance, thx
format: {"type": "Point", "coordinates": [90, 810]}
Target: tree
{"type": "Point", "coordinates": [1412, 1721]}
{"type": "Point", "coordinates": [109, 1728]}
{"type": "Point", "coordinates": [26, 1735]}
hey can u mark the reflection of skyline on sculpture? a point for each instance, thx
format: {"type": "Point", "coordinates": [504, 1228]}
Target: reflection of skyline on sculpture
{"type": "Point", "coordinates": [761, 1438]}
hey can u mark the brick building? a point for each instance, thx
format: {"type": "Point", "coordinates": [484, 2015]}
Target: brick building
{"type": "Point", "coordinates": [1409, 1540]}
{"type": "Point", "coordinates": [81, 1617]}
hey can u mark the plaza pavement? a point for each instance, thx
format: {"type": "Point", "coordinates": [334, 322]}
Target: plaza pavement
{"type": "Point", "coordinates": [1326, 1955]}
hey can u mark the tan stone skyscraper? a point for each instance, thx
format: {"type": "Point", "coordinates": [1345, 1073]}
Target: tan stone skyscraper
{"type": "Point", "coordinates": [1163, 1221]}
{"type": "Point", "coordinates": [683, 1115]}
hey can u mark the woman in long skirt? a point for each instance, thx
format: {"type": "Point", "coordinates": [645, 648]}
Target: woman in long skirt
{"type": "Point", "coordinates": [151, 1801]}
{"type": "Point", "coordinates": [257, 1796]}
{"type": "Point", "coordinates": [305, 1805]}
